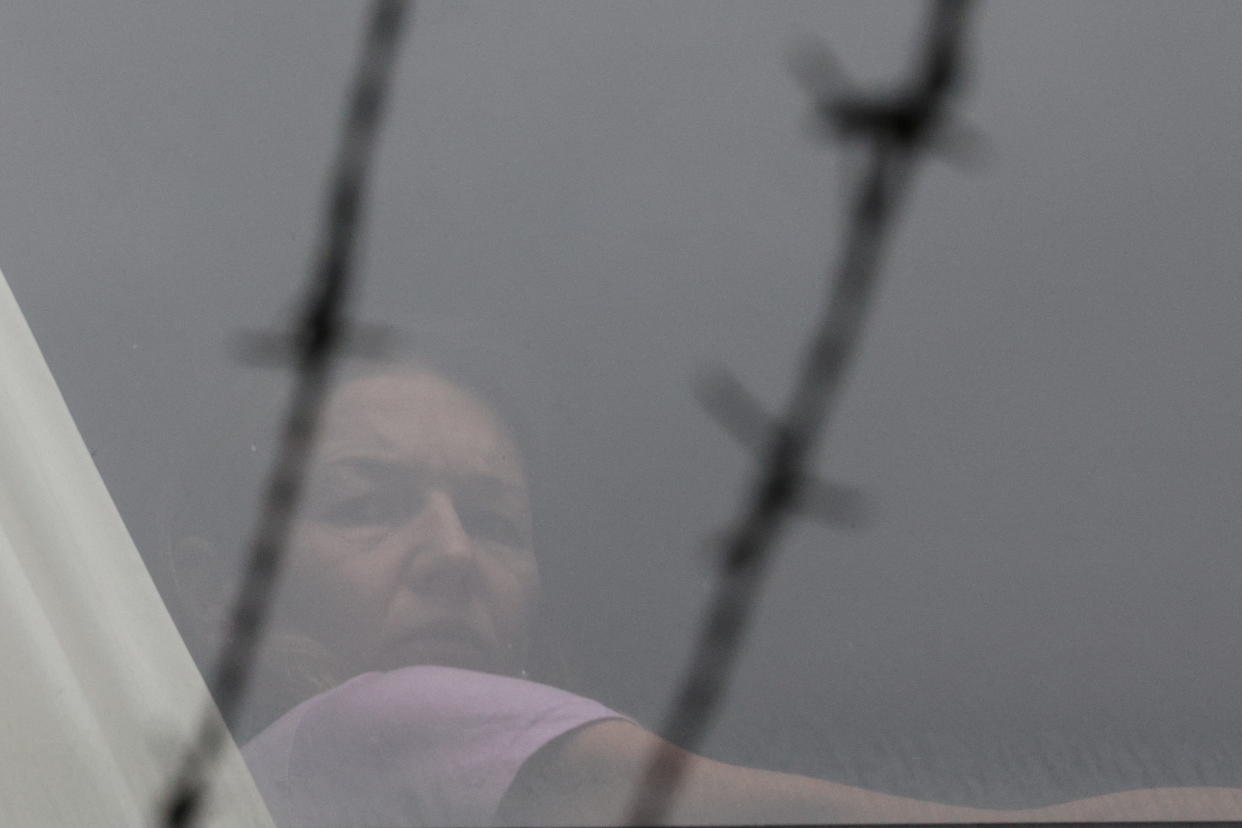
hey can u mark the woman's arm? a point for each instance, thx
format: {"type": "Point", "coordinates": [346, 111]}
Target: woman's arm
{"type": "Point", "coordinates": [1147, 805]}
{"type": "Point", "coordinates": [588, 777]}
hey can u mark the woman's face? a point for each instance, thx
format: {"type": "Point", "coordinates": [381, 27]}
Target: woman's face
{"type": "Point", "coordinates": [415, 542]}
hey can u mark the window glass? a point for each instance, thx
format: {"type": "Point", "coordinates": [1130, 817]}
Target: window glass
{"type": "Point", "coordinates": [579, 207]}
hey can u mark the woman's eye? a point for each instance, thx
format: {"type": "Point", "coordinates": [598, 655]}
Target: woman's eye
{"type": "Point", "coordinates": [493, 526]}
{"type": "Point", "coordinates": [358, 511]}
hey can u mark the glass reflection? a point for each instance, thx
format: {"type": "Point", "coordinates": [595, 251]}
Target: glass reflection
{"type": "Point", "coordinates": [397, 668]}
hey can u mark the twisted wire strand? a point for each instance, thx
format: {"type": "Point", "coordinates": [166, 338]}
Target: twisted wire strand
{"type": "Point", "coordinates": [898, 129]}
{"type": "Point", "coordinates": [316, 342]}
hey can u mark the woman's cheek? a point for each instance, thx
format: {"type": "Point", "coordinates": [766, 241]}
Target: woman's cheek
{"type": "Point", "coordinates": [327, 580]}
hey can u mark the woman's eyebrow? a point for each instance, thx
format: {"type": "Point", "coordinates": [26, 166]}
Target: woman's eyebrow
{"type": "Point", "coordinates": [478, 486]}
{"type": "Point", "coordinates": [375, 469]}
{"type": "Point", "coordinates": [486, 487]}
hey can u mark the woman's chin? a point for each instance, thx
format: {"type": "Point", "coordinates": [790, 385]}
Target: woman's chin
{"type": "Point", "coordinates": [462, 654]}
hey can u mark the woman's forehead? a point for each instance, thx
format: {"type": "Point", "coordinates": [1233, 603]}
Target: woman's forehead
{"type": "Point", "coordinates": [419, 417]}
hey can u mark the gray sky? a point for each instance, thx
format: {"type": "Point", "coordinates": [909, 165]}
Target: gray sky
{"type": "Point", "coordinates": [1045, 411]}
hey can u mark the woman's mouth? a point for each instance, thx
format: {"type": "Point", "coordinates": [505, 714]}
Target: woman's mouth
{"type": "Point", "coordinates": [449, 642]}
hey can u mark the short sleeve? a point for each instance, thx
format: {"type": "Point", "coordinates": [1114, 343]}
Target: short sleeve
{"type": "Point", "coordinates": [422, 745]}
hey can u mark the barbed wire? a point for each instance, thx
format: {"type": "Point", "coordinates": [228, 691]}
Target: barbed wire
{"type": "Point", "coordinates": [312, 348]}
{"type": "Point", "coordinates": [899, 128]}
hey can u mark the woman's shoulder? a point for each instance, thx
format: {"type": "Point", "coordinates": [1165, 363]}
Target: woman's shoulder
{"type": "Point", "coordinates": [430, 700]}
{"type": "Point", "coordinates": [443, 741]}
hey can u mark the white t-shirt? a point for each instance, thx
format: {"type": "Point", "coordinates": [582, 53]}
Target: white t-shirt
{"type": "Point", "coordinates": [421, 746]}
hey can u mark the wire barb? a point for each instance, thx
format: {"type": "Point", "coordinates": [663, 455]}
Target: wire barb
{"type": "Point", "coordinates": [739, 413]}
{"type": "Point", "coordinates": [314, 345]}
{"type": "Point", "coordinates": [897, 128]}
{"type": "Point", "coordinates": [260, 349]}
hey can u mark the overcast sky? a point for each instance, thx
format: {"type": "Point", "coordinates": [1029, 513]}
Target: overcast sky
{"type": "Point", "coordinates": [1045, 412]}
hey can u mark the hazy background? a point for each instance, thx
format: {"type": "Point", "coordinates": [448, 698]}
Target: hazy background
{"type": "Point", "coordinates": [1045, 412]}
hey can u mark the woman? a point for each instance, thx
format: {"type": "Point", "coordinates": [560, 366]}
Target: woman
{"type": "Point", "coordinates": [412, 574]}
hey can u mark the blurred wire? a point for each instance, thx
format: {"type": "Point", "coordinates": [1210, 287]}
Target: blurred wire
{"type": "Point", "coordinates": [898, 127]}
{"type": "Point", "coordinates": [315, 342]}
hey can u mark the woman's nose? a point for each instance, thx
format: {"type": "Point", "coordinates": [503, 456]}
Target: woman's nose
{"type": "Point", "coordinates": [441, 562]}
{"type": "Point", "coordinates": [438, 529]}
